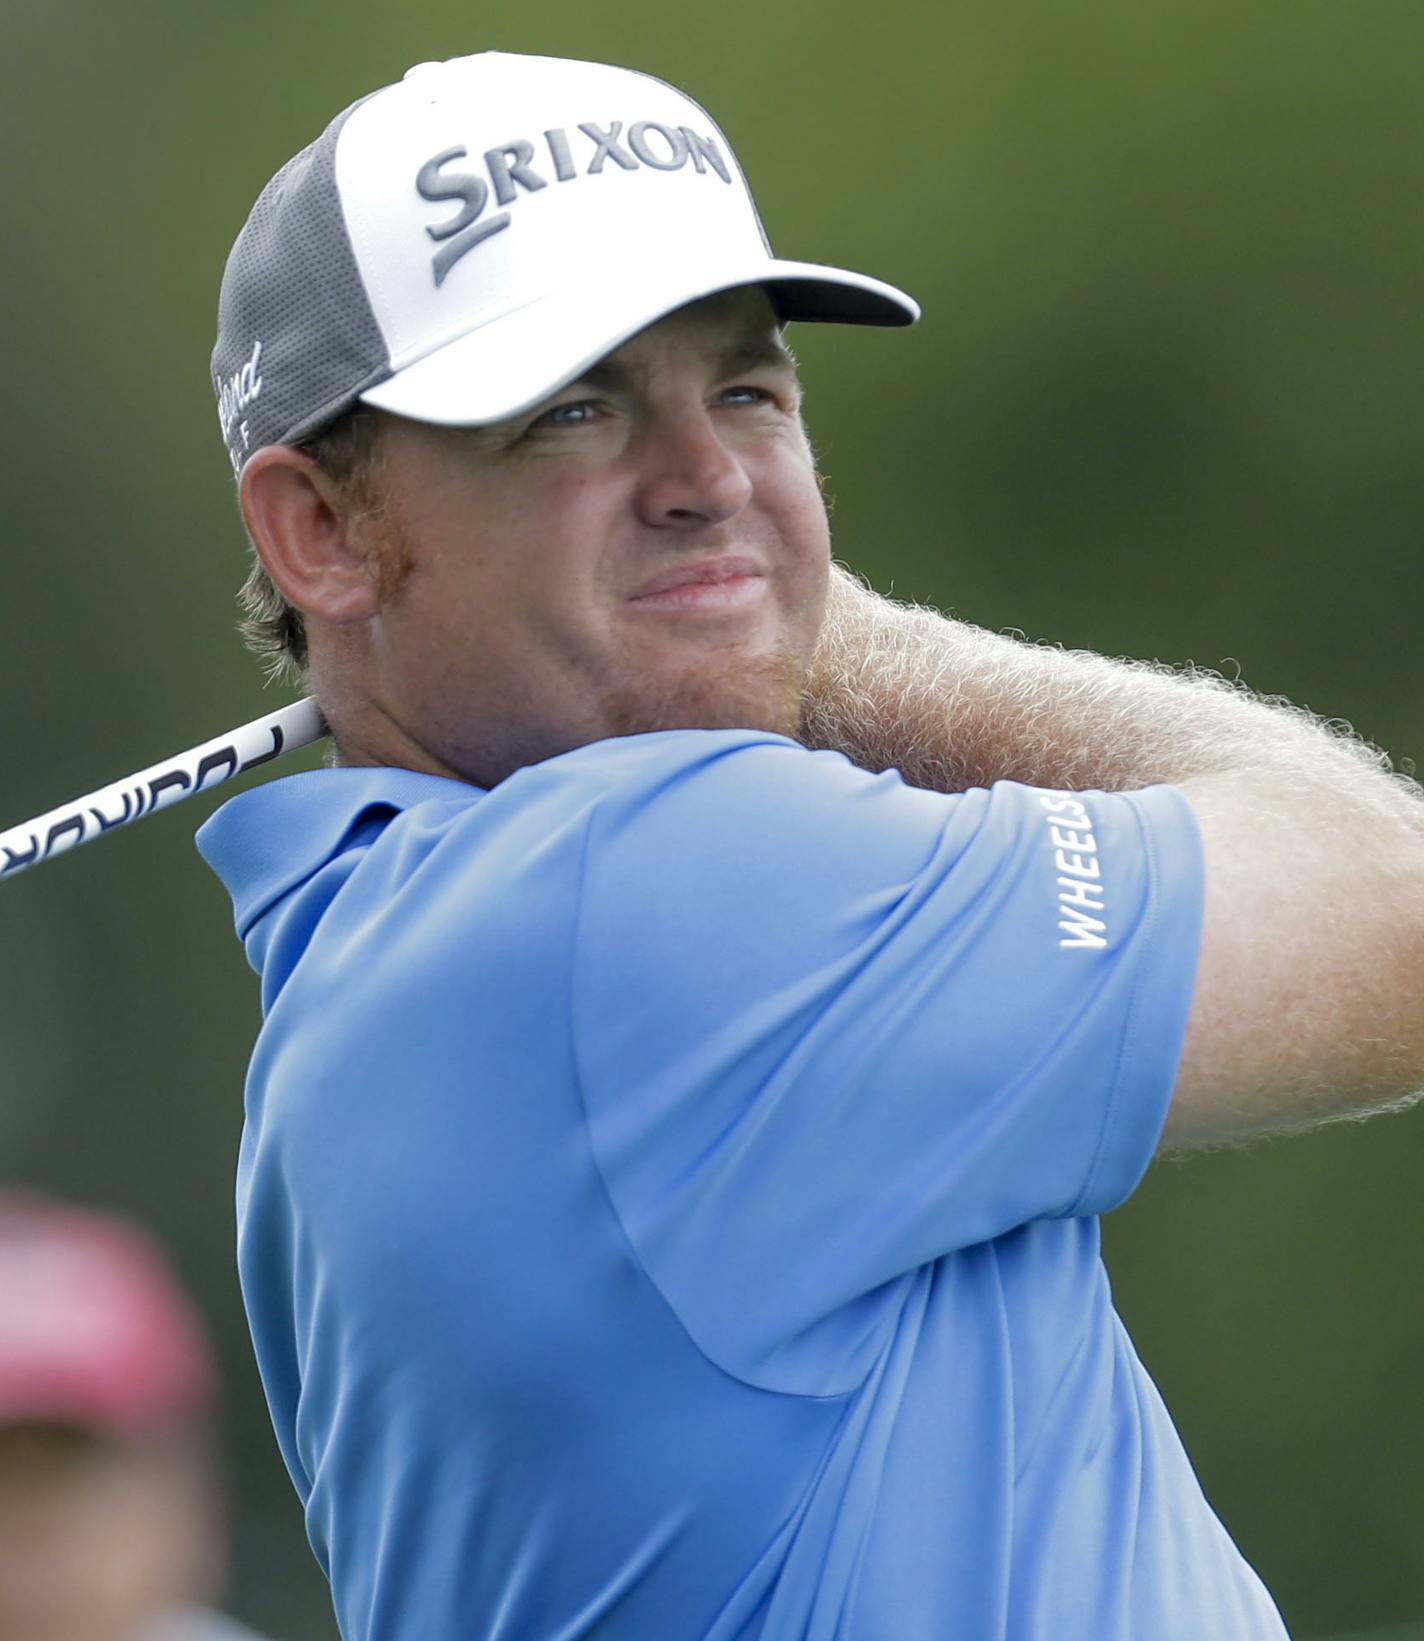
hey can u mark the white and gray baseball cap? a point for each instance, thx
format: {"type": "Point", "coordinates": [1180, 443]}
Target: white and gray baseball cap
{"type": "Point", "coordinates": [460, 245]}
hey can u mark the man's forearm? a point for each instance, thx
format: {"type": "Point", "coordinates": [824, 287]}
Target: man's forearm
{"type": "Point", "coordinates": [953, 706]}
{"type": "Point", "coordinates": [1310, 986]}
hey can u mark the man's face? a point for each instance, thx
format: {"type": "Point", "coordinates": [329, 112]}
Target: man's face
{"type": "Point", "coordinates": [98, 1537]}
{"type": "Point", "coordinates": [648, 550]}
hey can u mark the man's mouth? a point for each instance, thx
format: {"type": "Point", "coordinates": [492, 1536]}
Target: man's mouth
{"type": "Point", "coordinates": [727, 582]}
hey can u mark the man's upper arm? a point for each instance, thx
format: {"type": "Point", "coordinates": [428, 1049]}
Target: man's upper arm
{"type": "Point", "coordinates": [855, 1026]}
{"type": "Point", "coordinates": [1309, 999]}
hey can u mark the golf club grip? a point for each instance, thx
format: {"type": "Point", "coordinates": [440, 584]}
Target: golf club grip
{"type": "Point", "coordinates": [178, 777]}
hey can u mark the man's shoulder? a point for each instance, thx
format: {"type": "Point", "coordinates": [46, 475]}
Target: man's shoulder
{"type": "Point", "coordinates": [636, 758]}
{"type": "Point", "coordinates": [657, 792]}
{"type": "Point", "coordinates": [324, 804]}
{"type": "Point", "coordinates": [707, 759]}
{"type": "Point", "coordinates": [661, 777]}
{"type": "Point", "coordinates": [272, 837]}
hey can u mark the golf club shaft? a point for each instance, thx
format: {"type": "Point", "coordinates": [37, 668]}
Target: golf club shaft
{"type": "Point", "coordinates": [178, 777]}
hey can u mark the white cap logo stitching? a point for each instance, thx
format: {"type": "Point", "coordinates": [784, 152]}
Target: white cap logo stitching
{"type": "Point", "coordinates": [511, 167]}
{"type": "Point", "coordinates": [234, 396]}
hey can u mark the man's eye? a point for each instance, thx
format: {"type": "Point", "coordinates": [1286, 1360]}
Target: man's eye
{"type": "Point", "coordinates": [573, 414]}
{"type": "Point", "coordinates": [745, 394]}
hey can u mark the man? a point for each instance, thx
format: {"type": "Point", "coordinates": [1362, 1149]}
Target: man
{"type": "Point", "coordinates": [109, 1520]}
{"type": "Point", "coordinates": [668, 1203]}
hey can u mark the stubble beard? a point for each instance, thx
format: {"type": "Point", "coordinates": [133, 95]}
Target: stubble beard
{"type": "Point", "coordinates": [726, 689]}
{"type": "Point", "coordinates": [721, 687]}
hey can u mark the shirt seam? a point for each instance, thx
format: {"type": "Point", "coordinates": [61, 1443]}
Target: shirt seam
{"type": "Point", "coordinates": [1148, 931]}
{"type": "Point", "coordinates": [627, 1240]}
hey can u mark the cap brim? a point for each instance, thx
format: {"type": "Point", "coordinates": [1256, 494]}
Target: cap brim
{"type": "Point", "coordinates": [516, 361]}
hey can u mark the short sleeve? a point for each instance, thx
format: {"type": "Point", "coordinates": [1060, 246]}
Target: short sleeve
{"type": "Point", "coordinates": [830, 1028]}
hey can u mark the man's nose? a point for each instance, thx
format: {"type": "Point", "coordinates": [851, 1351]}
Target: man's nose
{"type": "Point", "coordinates": [688, 475]}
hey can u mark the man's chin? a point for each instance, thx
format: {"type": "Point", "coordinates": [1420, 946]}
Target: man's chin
{"type": "Point", "coordinates": [740, 692]}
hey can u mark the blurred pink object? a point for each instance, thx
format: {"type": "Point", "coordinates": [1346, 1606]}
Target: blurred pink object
{"type": "Point", "coordinates": [94, 1329]}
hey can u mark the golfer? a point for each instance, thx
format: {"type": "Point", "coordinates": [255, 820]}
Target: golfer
{"type": "Point", "coordinates": [707, 1007]}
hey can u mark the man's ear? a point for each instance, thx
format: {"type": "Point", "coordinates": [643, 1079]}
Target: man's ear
{"type": "Point", "coordinates": [301, 526]}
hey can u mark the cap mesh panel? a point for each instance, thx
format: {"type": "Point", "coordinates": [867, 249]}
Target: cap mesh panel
{"type": "Point", "coordinates": [297, 340]}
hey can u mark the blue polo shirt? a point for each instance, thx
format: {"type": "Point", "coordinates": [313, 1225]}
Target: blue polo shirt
{"type": "Point", "coordinates": [668, 1199]}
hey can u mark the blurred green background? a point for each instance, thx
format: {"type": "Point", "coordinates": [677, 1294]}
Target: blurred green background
{"type": "Point", "coordinates": [1165, 401]}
